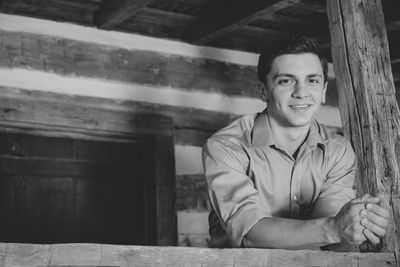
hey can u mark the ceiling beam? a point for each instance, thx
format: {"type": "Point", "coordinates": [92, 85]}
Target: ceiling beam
{"type": "Point", "coordinates": [114, 12]}
{"type": "Point", "coordinates": [318, 7]}
{"type": "Point", "coordinates": [222, 19]}
{"type": "Point", "coordinates": [393, 26]}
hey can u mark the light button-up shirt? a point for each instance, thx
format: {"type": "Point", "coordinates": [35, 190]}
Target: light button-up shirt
{"type": "Point", "coordinates": [249, 177]}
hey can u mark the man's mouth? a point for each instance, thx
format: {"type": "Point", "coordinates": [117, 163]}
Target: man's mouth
{"type": "Point", "coordinates": [300, 106]}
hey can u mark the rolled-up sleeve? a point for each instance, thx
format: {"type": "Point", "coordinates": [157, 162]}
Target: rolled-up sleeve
{"type": "Point", "coordinates": [232, 192]}
{"type": "Point", "coordinates": [338, 186]}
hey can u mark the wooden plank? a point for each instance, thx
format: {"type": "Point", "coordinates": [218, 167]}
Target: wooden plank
{"type": "Point", "coordinates": [114, 12]}
{"type": "Point", "coordinates": [57, 167]}
{"type": "Point", "coordinates": [192, 193]}
{"type": "Point", "coordinates": [393, 26]}
{"type": "Point", "coordinates": [76, 114]}
{"type": "Point", "coordinates": [23, 145]}
{"type": "Point", "coordinates": [82, 59]}
{"type": "Point", "coordinates": [112, 255]}
{"type": "Point", "coordinates": [191, 137]}
{"type": "Point", "coordinates": [212, 25]}
{"type": "Point", "coordinates": [80, 13]}
{"type": "Point", "coordinates": [103, 119]}
{"type": "Point", "coordinates": [173, 16]}
{"type": "Point", "coordinates": [165, 191]}
{"type": "Point", "coordinates": [315, 6]}
{"type": "Point", "coordinates": [369, 111]}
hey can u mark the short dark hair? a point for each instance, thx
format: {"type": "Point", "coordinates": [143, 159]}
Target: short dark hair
{"type": "Point", "coordinates": [297, 45]}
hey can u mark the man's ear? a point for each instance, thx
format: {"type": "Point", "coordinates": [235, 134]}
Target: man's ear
{"type": "Point", "coordinates": [262, 90]}
{"type": "Point", "coordinates": [324, 93]}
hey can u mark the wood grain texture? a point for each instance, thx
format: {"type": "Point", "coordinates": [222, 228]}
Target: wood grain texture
{"type": "Point", "coordinates": [212, 25]}
{"type": "Point", "coordinates": [111, 255]}
{"type": "Point", "coordinates": [192, 193]}
{"type": "Point", "coordinates": [76, 190]}
{"type": "Point", "coordinates": [82, 59]}
{"type": "Point", "coordinates": [367, 102]}
{"type": "Point", "coordinates": [165, 191]}
{"type": "Point", "coordinates": [114, 12]}
{"type": "Point", "coordinates": [80, 12]}
{"type": "Point", "coordinates": [94, 118]}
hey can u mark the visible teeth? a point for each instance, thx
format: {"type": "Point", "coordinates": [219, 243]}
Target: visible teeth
{"type": "Point", "coordinates": [300, 106]}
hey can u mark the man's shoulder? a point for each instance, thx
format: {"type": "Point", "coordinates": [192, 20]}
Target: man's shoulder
{"type": "Point", "coordinates": [335, 140]}
{"type": "Point", "coordinates": [237, 131]}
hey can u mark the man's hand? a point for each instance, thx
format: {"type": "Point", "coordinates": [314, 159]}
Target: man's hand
{"type": "Point", "coordinates": [361, 219]}
{"type": "Point", "coordinates": [375, 220]}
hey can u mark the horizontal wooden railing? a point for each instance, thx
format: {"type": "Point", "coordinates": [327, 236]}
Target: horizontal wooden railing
{"type": "Point", "coordinates": [119, 255]}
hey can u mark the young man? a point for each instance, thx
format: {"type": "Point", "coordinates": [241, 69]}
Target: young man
{"type": "Point", "coordinates": [277, 179]}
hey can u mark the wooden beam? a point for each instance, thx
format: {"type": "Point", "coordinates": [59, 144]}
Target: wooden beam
{"type": "Point", "coordinates": [114, 12]}
{"type": "Point", "coordinates": [75, 58]}
{"type": "Point", "coordinates": [25, 255]}
{"type": "Point", "coordinates": [170, 14]}
{"type": "Point", "coordinates": [367, 101]}
{"type": "Point", "coordinates": [51, 114]}
{"type": "Point", "coordinates": [77, 12]}
{"type": "Point", "coordinates": [165, 191]}
{"type": "Point", "coordinates": [192, 193]}
{"type": "Point", "coordinates": [281, 19]}
{"type": "Point", "coordinates": [315, 6]}
{"type": "Point", "coordinates": [213, 25]}
{"type": "Point", "coordinates": [264, 31]}
{"type": "Point", "coordinates": [393, 26]}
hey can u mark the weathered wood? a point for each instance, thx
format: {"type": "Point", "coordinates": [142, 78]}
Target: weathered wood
{"type": "Point", "coordinates": [212, 25]}
{"type": "Point", "coordinates": [393, 26]}
{"type": "Point", "coordinates": [72, 11]}
{"type": "Point", "coordinates": [369, 112]}
{"type": "Point", "coordinates": [101, 119]}
{"type": "Point", "coordinates": [82, 194]}
{"type": "Point", "coordinates": [112, 255]}
{"type": "Point", "coordinates": [191, 137]}
{"type": "Point", "coordinates": [82, 59]}
{"type": "Point", "coordinates": [114, 12]}
{"type": "Point", "coordinates": [165, 191]}
{"type": "Point", "coordinates": [86, 193]}
{"type": "Point", "coordinates": [191, 192]}
{"type": "Point", "coordinates": [315, 6]}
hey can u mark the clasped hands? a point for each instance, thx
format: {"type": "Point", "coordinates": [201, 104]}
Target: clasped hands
{"type": "Point", "coordinates": [361, 219]}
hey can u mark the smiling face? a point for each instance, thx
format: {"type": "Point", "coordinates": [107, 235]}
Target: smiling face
{"type": "Point", "coordinates": [295, 89]}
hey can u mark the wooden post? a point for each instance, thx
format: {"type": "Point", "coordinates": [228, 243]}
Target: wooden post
{"type": "Point", "coordinates": [369, 111]}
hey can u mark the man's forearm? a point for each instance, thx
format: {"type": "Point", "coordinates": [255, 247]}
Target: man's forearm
{"type": "Point", "coordinates": [358, 220]}
{"type": "Point", "coordinates": [291, 234]}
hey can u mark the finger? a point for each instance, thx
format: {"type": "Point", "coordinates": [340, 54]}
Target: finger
{"type": "Point", "coordinates": [378, 210]}
{"type": "Point", "coordinates": [374, 200]}
{"type": "Point", "coordinates": [374, 218]}
{"type": "Point", "coordinates": [377, 230]}
{"type": "Point", "coordinates": [371, 237]}
{"type": "Point", "coordinates": [365, 197]}
{"type": "Point", "coordinates": [362, 198]}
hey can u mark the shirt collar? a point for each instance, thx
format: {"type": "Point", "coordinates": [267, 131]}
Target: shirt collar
{"type": "Point", "coordinates": [262, 136]}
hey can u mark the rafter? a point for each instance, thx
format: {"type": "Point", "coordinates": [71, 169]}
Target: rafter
{"type": "Point", "coordinates": [114, 12]}
{"type": "Point", "coordinates": [393, 26]}
{"type": "Point", "coordinates": [220, 20]}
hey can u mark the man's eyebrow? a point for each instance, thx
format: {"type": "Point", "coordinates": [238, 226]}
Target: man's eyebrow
{"type": "Point", "coordinates": [315, 74]}
{"type": "Point", "coordinates": [280, 74]}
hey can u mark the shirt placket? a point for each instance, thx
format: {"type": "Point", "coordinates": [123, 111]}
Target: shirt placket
{"type": "Point", "coordinates": [295, 182]}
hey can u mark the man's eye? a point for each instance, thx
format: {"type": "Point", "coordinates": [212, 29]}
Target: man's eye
{"type": "Point", "coordinates": [314, 81]}
{"type": "Point", "coordinates": [285, 81]}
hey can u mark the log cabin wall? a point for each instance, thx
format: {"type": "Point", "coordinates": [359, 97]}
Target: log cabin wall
{"type": "Point", "coordinates": [80, 83]}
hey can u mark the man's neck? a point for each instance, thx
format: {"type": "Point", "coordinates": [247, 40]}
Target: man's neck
{"type": "Point", "coordinates": [288, 138]}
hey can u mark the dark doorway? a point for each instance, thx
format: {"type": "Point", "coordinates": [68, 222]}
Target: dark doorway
{"type": "Point", "coordinates": [63, 190]}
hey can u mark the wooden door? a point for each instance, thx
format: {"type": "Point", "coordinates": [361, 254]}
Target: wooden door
{"type": "Point", "coordinates": [63, 190]}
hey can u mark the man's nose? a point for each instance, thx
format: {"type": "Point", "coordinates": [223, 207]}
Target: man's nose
{"type": "Point", "coordinates": [300, 90]}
